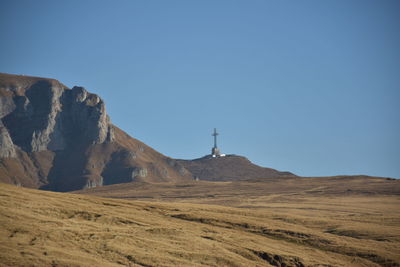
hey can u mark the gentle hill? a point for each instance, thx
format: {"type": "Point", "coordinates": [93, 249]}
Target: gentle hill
{"type": "Point", "coordinates": [61, 229]}
{"type": "Point", "coordinates": [229, 168]}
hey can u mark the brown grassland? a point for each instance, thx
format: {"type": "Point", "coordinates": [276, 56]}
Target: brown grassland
{"type": "Point", "coordinates": [337, 221]}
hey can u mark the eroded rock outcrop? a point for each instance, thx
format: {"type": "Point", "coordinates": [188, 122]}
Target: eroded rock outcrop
{"type": "Point", "coordinates": [62, 139]}
{"type": "Point", "coordinates": [48, 116]}
{"type": "Point", "coordinates": [7, 148]}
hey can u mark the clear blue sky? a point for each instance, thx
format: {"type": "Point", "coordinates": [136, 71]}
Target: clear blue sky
{"type": "Point", "coordinates": [312, 87]}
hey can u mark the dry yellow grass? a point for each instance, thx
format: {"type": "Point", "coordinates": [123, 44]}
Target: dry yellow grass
{"type": "Point", "coordinates": [306, 228]}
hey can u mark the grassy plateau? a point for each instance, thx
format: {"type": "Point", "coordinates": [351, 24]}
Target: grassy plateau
{"type": "Point", "coordinates": [334, 221]}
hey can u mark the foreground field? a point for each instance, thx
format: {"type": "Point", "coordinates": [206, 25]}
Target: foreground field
{"type": "Point", "coordinates": [306, 226]}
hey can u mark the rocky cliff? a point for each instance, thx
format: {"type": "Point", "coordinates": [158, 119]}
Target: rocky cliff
{"type": "Point", "coordinates": [61, 139]}
{"type": "Point", "coordinates": [43, 114]}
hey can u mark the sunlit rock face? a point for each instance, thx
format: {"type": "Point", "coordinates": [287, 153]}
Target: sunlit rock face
{"type": "Point", "coordinates": [61, 139]}
{"type": "Point", "coordinates": [7, 148]}
{"type": "Point", "coordinates": [49, 116]}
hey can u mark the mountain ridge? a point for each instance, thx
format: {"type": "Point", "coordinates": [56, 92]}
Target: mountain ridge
{"type": "Point", "coordinates": [62, 139]}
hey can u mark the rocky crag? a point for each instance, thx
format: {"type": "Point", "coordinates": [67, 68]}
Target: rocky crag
{"type": "Point", "coordinates": [61, 139]}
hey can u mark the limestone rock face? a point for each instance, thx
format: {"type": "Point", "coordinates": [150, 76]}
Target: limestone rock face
{"type": "Point", "coordinates": [46, 115]}
{"type": "Point", "coordinates": [61, 139]}
{"type": "Point", "coordinates": [7, 148]}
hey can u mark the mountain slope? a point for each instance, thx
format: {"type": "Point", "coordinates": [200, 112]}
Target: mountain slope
{"type": "Point", "coordinates": [61, 139]}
